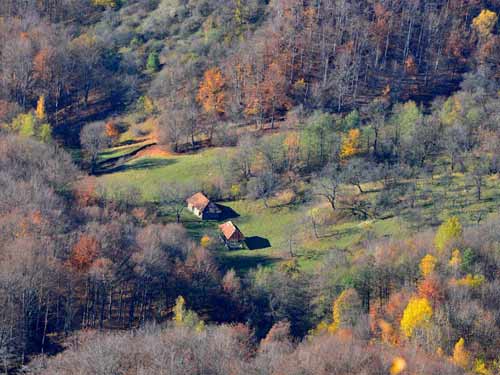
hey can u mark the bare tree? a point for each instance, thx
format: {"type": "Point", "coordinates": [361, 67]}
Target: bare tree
{"type": "Point", "coordinates": [94, 139]}
{"type": "Point", "coordinates": [173, 198]}
{"type": "Point", "coordinates": [327, 184]}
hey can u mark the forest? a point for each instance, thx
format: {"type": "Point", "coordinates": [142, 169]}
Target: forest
{"type": "Point", "coordinates": [300, 187]}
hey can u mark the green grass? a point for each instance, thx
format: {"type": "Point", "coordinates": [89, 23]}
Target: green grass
{"type": "Point", "coordinates": [146, 174]}
{"type": "Point", "coordinates": [287, 226]}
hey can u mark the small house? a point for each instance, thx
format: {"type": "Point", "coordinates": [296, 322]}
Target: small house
{"type": "Point", "coordinates": [202, 207]}
{"type": "Point", "coordinates": [232, 236]}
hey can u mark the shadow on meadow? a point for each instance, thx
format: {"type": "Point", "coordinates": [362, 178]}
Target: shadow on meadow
{"type": "Point", "coordinates": [244, 263]}
{"type": "Point", "coordinates": [147, 163]}
{"type": "Point", "coordinates": [131, 151]}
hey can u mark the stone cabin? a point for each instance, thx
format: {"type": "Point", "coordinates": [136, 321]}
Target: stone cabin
{"type": "Point", "coordinates": [232, 236]}
{"type": "Point", "coordinates": [202, 207]}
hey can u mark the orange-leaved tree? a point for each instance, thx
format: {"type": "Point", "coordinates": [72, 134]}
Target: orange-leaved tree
{"type": "Point", "coordinates": [211, 94]}
{"type": "Point", "coordinates": [84, 252]}
{"type": "Point", "coordinates": [112, 130]}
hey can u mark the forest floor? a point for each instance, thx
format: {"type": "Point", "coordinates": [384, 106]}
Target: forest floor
{"type": "Point", "coordinates": [282, 228]}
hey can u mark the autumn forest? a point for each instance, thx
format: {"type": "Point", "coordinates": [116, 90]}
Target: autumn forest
{"type": "Point", "coordinates": [263, 187]}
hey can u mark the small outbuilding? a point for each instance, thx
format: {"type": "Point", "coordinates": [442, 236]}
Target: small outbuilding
{"type": "Point", "coordinates": [202, 207]}
{"type": "Point", "coordinates": [232, 236]}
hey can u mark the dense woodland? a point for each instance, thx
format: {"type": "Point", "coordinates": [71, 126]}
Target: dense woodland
{"type": "Point", "coordinates": [350, 110]}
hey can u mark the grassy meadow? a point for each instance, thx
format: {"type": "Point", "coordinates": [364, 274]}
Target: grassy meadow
{"type": "Point", "coordinates": [276, 231]}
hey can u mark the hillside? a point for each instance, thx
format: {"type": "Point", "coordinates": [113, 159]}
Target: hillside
{"type": "Point", "coordinates": [249, 187]}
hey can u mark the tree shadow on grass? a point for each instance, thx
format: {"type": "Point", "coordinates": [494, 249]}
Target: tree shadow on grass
{"type": "Point", "coordinates": [257, 243]}
{"type": "Point", "coordinates": [129, 142]}
{"type": "Point", "coordinates": [118, 160]}
{"type": "Point", "coordinates": [149, 163]}
{"type": "Point", "coordinates": [244, 263]}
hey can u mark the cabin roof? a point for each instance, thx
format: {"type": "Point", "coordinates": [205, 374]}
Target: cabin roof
{"type": "Point", "coordinates": [199, 201]}
{"type": "Point", "coordinates": [231, 231]}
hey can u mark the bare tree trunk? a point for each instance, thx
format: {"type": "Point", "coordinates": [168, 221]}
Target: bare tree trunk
{"type": "Point", "coordinates": [45, 324]}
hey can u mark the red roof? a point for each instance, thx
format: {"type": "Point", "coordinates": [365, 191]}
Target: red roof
{"type": "Point", "coordinates": [231, 231]}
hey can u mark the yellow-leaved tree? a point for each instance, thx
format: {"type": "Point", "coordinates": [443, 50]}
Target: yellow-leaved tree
{"type": "Point", "coordinates": [480, 367]}
{"type": "Point", "coordinates": [456, 259]}
{"type": "Point", "coordinates": [428, 265]}
{"type": "Point", "coordinates": [449, 231]}
{"type": "Point", "coordinates": [398, 366]}
{"type": "Point", "coordinates": [206, 241]}
{"type": "Point", "coordinates": [485, 22]}
{"type": "Point", "coordinates": [471, 281]}
{"type": "Point", "coordinates": [461, 356]}
{"type": "Point", "coordinates": [346, 310]}
{"type": "Point", "coordinates": [179, 310]}
{"type": "Point", "coordinates": [186, 318]}
{"type": "Point", "coordinates": [417, 314]}
{"type": "Point", "coordinates": [350, 144]}
{"type": "Point", "coordinates": [40, 108]}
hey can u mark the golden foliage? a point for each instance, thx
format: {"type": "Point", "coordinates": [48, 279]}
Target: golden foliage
{"type": "Point", "coordinates": [186, 318]}
{"type": "Point", "coordinates": [471, 281]}
{"type": "Point", "coordinates": [428, 265]}
{"type": "Point", "coordinates": [461, 356]}
{"type": "Point", "coordinates": [398, 366]}
{"type": "Point", "coordinates": [416, 315]}
{"type": "Point", "coordinates": [480, 368]}
{"type": "Point", "coordinates": [40, 108]}
{"type": "Point", "coordinates": [179, 310]}
{"type": "Point", "coordinates": [485, 22]}
{"type": "Point", "coordinates": [350, 144]}
{"type": "Point", "coordinates": [206, 241]}
{"type": "Point", "coordinates": [345, 310]}
{"type": "Point", "coordinates": [320, 328]}
{"type": "Point", "coordinates": [456, 259]}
